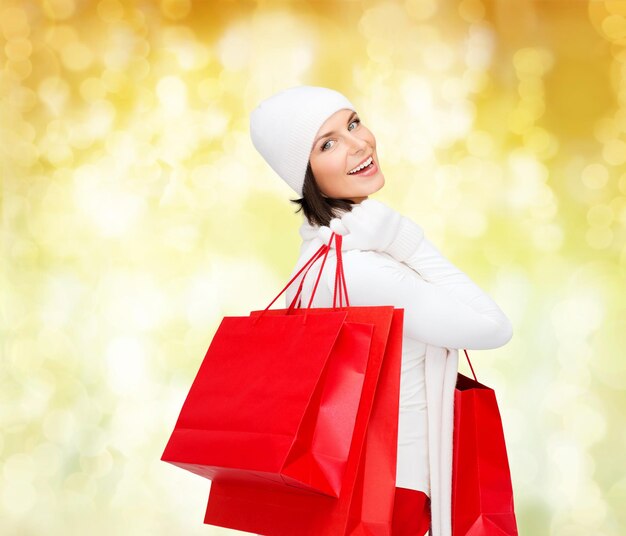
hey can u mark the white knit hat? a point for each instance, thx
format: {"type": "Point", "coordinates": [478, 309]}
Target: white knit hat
{"type": "Point", "coordinates": [283, 128]}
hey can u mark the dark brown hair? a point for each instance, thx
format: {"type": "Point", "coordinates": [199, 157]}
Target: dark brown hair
{"type": "Point", "coordinates": [317, 208]}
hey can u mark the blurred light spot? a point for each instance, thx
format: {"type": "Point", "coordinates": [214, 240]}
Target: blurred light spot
{"type": "Point", "coordinates": [175, 9]}
{"type": "Point", "coordinates": [618, 208]}
{"type": "Point", "coordinates": [614, 26]}
{"type": "Point", "coordinates": [532, 61]}
{"type": "Point", "coordinates": [541, 142]}
{"type": "Point", "coordinates": [92, 89]}
{"type": "Point", "coordinates": [528, 176]}
{"type": "Point", "coordinates": [606, 129]}
{"type": "Point", "coordinates": [18, 49]}
{"type": "Point", "coordinates": [47, 457]}
{"type": "Point", "coordinates": [622, 183]}
{"type": "Point", "coordinates": [126, 436]}
{"type": "Point", "coordinates": [59, 35]}
{"type": "Point", "coordinates": [182, 43]}
{"type": "Point", "coordinates": [58, 9]}
{"type": "Point", "coordinates": [547, 237]}
{"type": "Point", "coordinates": [480, 46]}
{"type": "Point", "coordinates": [526, 460]}
{"type": "Point", "coordinates": [380, 50]}
{"type": "Point", "coordinates": [119, 52]}
{"type": "Point", "coordinates": [471, 223]}
{"type": "Point", "coordinates": [472, 168]}
{"type": "Point", "coordinates": [110, 10]}
{"type": "Point", "coordinates": [93, 440]}
{"type": "Point", "coordinates": [123, 145]}
{"type": "Point", "coordinates": [202, 300]}
{"type": "Point", "coordinates": [139, 69]}
{"type": "Point", "coordinates": [14, 23]}
{"type": "Point", "coordinates": [438, 56]}
{"type": "Point", "coordinates": [599, 237]}
{"type": "Point", "coordinates": [234, 49]}
{"type": "Point", "coordinates": [595, 176]}
{"type": "Point", "coordinates": [59, 426]}
{"type": "Point", "coordinates": [21, 68]}
{"type": "Point", "coordinates": [76, 56]}
{"type": "Point", "coordinates": [480, 143]}
{"type": "Point", "coordinates": [520, 120]}
{"type": "Point", "coordinates": [531, 89]}
{"type": "Point", "coordinates": [60, 298]}
{"type": "Point", "coordinates": [577, 316]}
{"type": "Point", "coordinates": [54, 92]}
{"type": "Point", "coordinates": [569, 464]}
{"type": "Point", "coordinates": [614, 152]}
{"type": "Point", "coordinates": [39, 389]}
{"type": "Point", "coordinates": [591, 508]}
{"type": "Point", "coordinates": [19, 467]}
{"type": "Point", "coordinates": [417, 94]}
{"type": "Point", "coordinates": [111, 207]}
{"type": "Point", "coordinates": [18, 497]}
{"type": "Point", "coordinates": [420, 9]}
{"type": "Point", "coordinates": [584, 422]}
{"type": "Point", "coordinates": [610, 371]}
{"type": "Point", "coordinates": [454, 89]}
{"type": "Point", "coordinates": [172, 94]}
{"type": "Point", "coordinates": [471, 10]}
{"type": "Point", "coordinates": [125, 357]}
{"type": "Point", "coordinates": [98, 465]}
{"type": "Point", "coordinates": [100, 118]}
{"type": "Point", "coordinates": [600, 215]}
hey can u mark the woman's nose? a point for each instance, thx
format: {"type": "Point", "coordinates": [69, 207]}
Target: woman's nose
{"type": "Point", "coordinates": [358, 143]}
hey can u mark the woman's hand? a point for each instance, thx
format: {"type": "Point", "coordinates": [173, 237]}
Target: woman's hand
{"type": "Point", "coordinates": [374, 226]}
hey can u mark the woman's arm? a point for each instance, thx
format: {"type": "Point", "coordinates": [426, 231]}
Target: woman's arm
{"type": "Point", "coordinates": [442, 305]}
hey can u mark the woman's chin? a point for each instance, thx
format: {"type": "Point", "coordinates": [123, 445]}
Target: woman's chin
{"type": "Point", "coordinates": [377, 184]}
{"type": "Point", "coordinates": [369, 184]}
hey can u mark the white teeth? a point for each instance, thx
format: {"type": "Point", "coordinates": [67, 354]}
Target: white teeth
{"type": "Point", "coordinates": [364, 164]}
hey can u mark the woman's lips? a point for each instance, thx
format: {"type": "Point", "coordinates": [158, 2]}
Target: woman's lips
{"type": "Point", "coordinates": [366, 172]}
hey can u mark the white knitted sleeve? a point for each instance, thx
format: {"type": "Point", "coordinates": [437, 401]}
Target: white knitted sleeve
{"type": "Point", "coordinates": [442, 305]}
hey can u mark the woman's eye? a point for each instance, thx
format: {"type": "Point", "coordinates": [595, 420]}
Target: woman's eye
{"type": "Point", "coordinates": [324, 146]}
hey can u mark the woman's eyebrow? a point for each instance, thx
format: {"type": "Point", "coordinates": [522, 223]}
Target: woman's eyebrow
{"type": "Point", "coordinates": [332, 131]}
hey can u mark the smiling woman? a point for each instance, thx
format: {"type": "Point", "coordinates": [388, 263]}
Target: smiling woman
{"type": "Point", "coordinates": [343, 168]}
{"type": "Point", "coordinates": [314, 139]}
{"type": "Point", "coordinates": [336, 156]}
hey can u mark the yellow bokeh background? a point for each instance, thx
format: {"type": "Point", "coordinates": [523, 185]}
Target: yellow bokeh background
{"type": "Point", "coordinates": [136, 214]}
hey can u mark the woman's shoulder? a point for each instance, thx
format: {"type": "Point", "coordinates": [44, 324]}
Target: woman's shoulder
{"type": "Point", "coordinates": [367, 257]}
{"type": "Point", "coordinates": [355, 261]}
{"type": "Point", "coordinates": [366, 265]}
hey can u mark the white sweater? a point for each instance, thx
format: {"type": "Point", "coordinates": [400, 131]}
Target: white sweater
{"type": "Point", "coordinates": [444, 310]}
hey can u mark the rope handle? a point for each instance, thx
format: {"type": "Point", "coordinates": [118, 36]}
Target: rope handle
{"type": "Point", "coordinates": [322, 251]}
{"type": "Point", "coordinates": [470, 364]}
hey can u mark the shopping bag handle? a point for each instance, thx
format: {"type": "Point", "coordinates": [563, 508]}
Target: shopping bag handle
{"type": "Point", "coordinates": [340, 280]}
{"type": "Point", "coordinates": [340, 283]}
{"type": "Point", "coordinates": [470, 364]}
{"type": "Point", "coordinates": [323, 250]}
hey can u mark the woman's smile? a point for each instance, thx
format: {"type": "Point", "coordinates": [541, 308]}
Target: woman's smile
{"type": "Point", "coordinates": [367, 170]}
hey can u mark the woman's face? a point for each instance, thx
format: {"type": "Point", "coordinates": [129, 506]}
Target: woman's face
{"type": "Point", "coordinates": [341, 144]}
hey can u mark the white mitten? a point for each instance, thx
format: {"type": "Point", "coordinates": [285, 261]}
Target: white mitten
{"type": "Point", "coordinates": [372, 225]}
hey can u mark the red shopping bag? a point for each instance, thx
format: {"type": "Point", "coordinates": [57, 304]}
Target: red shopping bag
{"type": "Point", "coordinates": [276, 400]}
{"type": "Point", "coordinates": [365, 505]}
{"type": "Point", "coordinates": [482, 493]}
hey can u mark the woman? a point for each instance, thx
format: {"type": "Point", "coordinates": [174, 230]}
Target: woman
{"type": "Point", "coordinates": [314, 139]}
